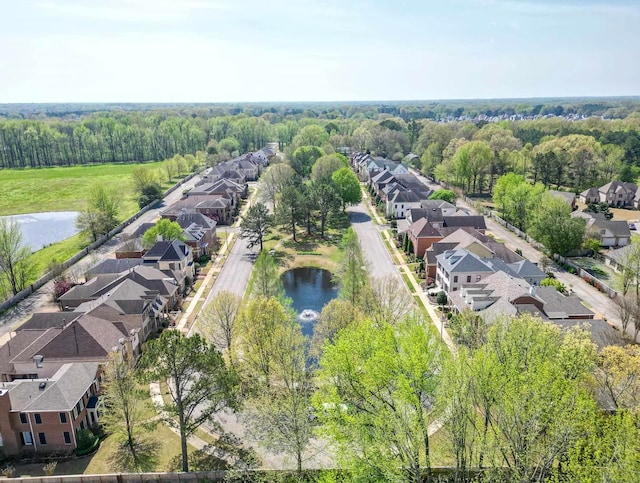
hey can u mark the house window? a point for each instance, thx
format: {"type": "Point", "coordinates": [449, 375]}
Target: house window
{"type": "Point", "coordinates": [455, 279]}
{"type": "Point", "coordinates": [23, 418]}
{"type": "Point", "coordinates": [468, 278]}
{"type": "Point", "coordinates": [477, 278]}
{"type": "Point", "coordinates": [38, 418]}
{"type": "Point", "coordinates": [42, 438]}
{"type": "Point", "coordinates": [26, 439]}
{"type": "Point", "coordinates": [602, 232]}
{"type": "Point", "coordinates": [63, 418]}
{"type": "Point", "coordinates": [67, 437]}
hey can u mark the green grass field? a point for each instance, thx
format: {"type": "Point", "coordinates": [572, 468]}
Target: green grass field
{"type": "Point", "coordinates": [64, 188]}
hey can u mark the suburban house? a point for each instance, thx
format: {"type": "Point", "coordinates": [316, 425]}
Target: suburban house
{"type": "Point", "coordinates": [216, 207]}
{"type": "Point", "coordinates": [43, 415]}
{"type": "Point", "coordinates": [461, 266]}
{"type": "Point", "coordinates": [38, 353]}
{"type": "Point", "coordinates": [472, 241]}
{"type": "Point", "coordinates": [566, 196]}
{"type": "Point", "coordinates": [619, 194]}
{"type": "Point", "coordinates": [610, 233]}
{"type": "Point", "coordinates": [458, 267]}
{"type": "Point", "coordinates": [433, 210]}
{"type": "Point", "coordinates": [244, 165]}
{"type": "Point", "coordinates": [174, 258]}
{"type": "Point", "coordinates": [112, 265]}
{"type": "Point", "coordinates": [367, 166]}
{"type": "Point", "coordinates": [199, 231]}
{"type": "Point", "coordinates": [401, 201]}
{"type": "Point", "coordinates": [138, 308]}
{"type": "Point", "coordinates": [422, 236]}
{"type": "Point", "coordinates": [147, 276]}
{"type": "Point", "coordinates": [224, 187]}
{"type": "Point", "coordinates": [502, 294]}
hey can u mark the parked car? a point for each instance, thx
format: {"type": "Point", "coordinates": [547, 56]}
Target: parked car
{"type": "Point", "coordinates": [632, 226]}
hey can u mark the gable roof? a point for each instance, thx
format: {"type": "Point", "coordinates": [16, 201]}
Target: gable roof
{"type": "Point", "coordinates": [90, 289]}
{"type": "Point", "coordinates": [60, 392]}
{"type": "Point", "coordinates": [174, 250]}
{"type": "Point", "coordinates": [113, 265]}
{"type": "Point", "coordinates": [437, 204]}
{"type": "Point", "coordinates": [189, 216]}
{"type": "Point", "coordinates": [46, 320]}
{"type": "Point", "coordinates": [462, 261]}
{"type": "Point", "coordinates": [401, 196]}
{"type": "Point", "coordinates": [619, 228]}
{"type": "Point", "coordinates": [560, 306]}
{"type": "Point", "coordinates": [422, 229]}
{"type": "Point", "coordinates": [590, 193]}
{"type": "Point", "coordinates": [473, 221]}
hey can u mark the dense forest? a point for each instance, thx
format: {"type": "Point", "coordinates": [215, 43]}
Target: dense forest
{"type": "Point", "coordinates": [559, 142]}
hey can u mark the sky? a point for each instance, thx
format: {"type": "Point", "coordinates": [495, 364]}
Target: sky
{"type": "Point", "coordinates": [316, 50]}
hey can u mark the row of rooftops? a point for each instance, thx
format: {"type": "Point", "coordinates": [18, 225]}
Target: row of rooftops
{"type": "Point", "coordinates": [107, 313]}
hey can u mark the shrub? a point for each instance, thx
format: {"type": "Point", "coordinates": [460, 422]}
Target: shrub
{"type": "Point", "coordinates": [85, 439]}
{"type": "Point", "coordinates": [60, 287]}
{"type": "Point", "coordinates": [552, 282]}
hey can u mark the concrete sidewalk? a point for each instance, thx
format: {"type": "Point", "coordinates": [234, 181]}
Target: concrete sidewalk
{"type": "Point", "coordinates": [399, 260]}
{"type": "Point", "coordinates": [218, 263]}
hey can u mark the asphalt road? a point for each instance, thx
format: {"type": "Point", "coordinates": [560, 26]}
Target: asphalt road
{"type": "Point", "coordinates": [379, 261]}
{"type": "Point", "coordinates": [41, 300]}
{"type": "Point", "coordinates": [235, 272]}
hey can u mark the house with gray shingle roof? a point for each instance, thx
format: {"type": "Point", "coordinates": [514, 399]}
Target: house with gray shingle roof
{"type": "Point", "coordinates": [457, 267]}
{"type": "Point", "coordinates": [615, 193]}
{"type": "Point", "coordinates": [610, 233]}
{"type": "Point", "coordinates": [43, 415]}
{"type": "Point", "coordinates": [175, 258]}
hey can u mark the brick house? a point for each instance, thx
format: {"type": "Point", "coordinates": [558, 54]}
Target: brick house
{"type": "Point", "coordinates": [44, 415]}
{"type": "Point", "coordinates": [422, 236]}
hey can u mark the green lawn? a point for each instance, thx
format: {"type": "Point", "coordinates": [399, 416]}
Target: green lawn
{"type": "Point", "coordinates": [59, 252]}
{"type": "Point", "coordinates": [64, 188]}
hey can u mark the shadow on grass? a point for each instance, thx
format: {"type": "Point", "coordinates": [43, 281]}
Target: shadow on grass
{"type": "Point", "coordinates": [146, 457]}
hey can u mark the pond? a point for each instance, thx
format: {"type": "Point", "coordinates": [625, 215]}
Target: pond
{"type": "Point", "coordinates": [310, 289]}
{"type": "Point", "coordinates": [42, 229]}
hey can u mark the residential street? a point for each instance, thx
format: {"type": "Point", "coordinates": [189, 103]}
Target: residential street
{"type": "Point", "coordinates": [236, 271]}
{"type": "Point", "coordinates": [41, 299]}
{"type": "Point", "coordinates": [378, 259]}
{"type": "Point", "coordinates": [601, 304]}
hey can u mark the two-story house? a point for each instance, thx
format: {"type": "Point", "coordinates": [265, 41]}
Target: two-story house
{"type": "Point", "coordinates": [616, 193]}
{"type": "Point", "coordinates": [43, 415]}
{"type": "Point", "coordinates": [175, 258]}
{"type": "Point", "coordinates": [458, 267]}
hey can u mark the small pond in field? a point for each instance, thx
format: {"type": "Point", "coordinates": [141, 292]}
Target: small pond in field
{"type": "Point", "coordinates": [310, 289]}
{"type": "Point", "coordinates": [42, 229]}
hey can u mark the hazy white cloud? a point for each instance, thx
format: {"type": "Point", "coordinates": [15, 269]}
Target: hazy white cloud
{"type": "Point", "coordinates": [254, 50]}
{"type": "Point", "coordinates": [559, 7]}
{"type": "Point", "coordinates": [133, 10]}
